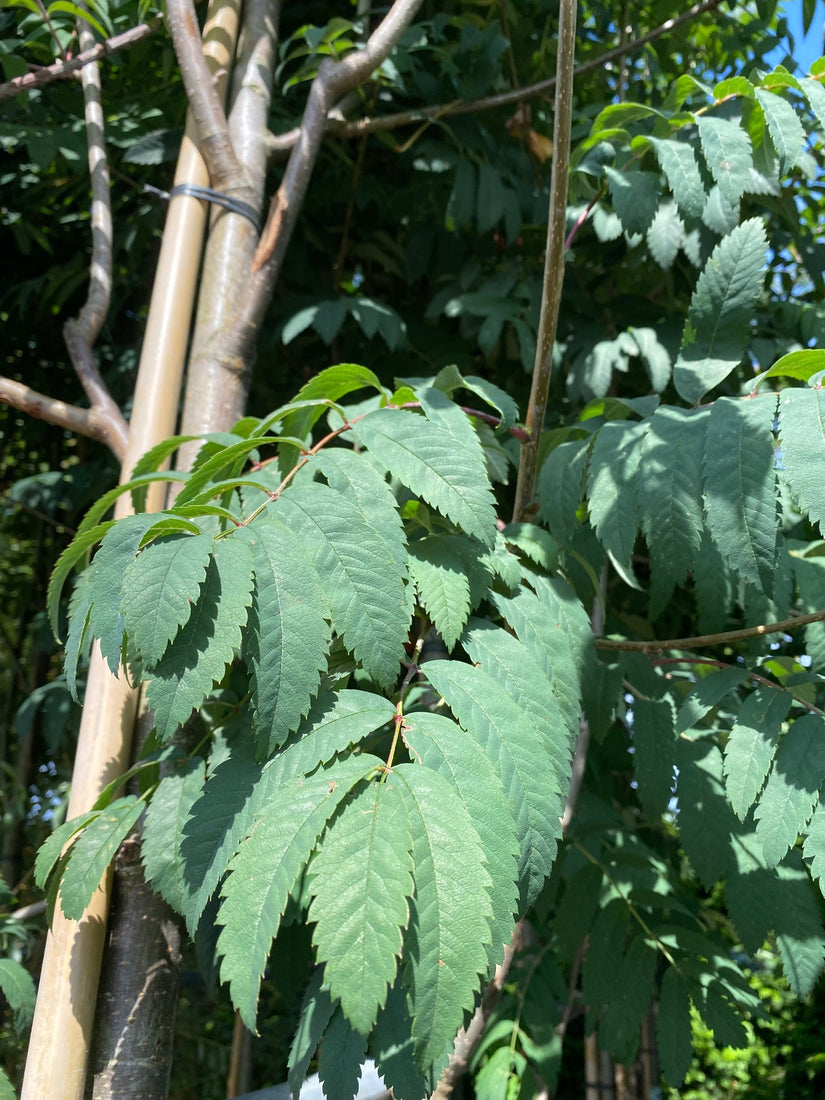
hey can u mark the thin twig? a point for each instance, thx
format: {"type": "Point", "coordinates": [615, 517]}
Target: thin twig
{"type": "Point", "coordinates": [700, 640]}
{"type": "Point", "coordinates": [554, 258]}
{"type": "Point", "coordinates": [334, 79]}
{"type": "Point", "coordinates": [61, 70]}
{"type": "Point", "coordinates": [659, 661]}
{"type": "Point", "coordinates": [280, 144]}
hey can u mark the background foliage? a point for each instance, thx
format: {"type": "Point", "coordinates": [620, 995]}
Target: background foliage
{"type": "Point", "coordinates": [695, 265]}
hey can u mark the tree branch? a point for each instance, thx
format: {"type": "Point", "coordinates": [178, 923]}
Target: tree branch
{"type": "Point", "coordinates": [701, 640]}
{"type": "Point", "coordinates": [334, 79]}
{"type": "Point", "coordinates": [81, 332]}
{"type": "Point", "coordinates": [61, 70]}
{"type": "Point", "coordinates": [553, 260]}
{"type": "Point", "coordinates": [280, 144]}
{"type": "Point", "coordinates": [215, 144]}
{"type": "Point", "coordinates": [92, 423]}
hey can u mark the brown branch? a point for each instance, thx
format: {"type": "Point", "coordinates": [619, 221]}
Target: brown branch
{"type": "Point", "coordinates": [553, 261]}
{"type": "Point", "coordinates": [334, 79]}
{"type": "Point", "coordinates": [280, 144]}
{"type": "Point", "coordinates": [61, 70]}
{"type": "Point", "coordinates": [92, 423]}
{"type": "Point", "coordinates": [701, 640]}
{"type": "Point", "coordinates": [81, 332]}
{"type": "Point", "coordinates": [215, 143]}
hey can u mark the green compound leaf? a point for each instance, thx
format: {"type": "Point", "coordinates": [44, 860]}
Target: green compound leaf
{"type": "Point", "coordinates": [802, 442]}
{"type": "Point", "coordinates": [79, 608]}
{"type": "Point", "coordinates": [393, 1049]}
{"type": "Point", "coordinates": [341, 1058]}
{"type": "Point", "coordinates": [809, 574]}
{"type": "Point", "coordinates": [560, 487]}
{"type": "Point", "coordinates": [654, 744]}
{"type": "Point", "coordinates": [519, 755]}
{"type": "Point", "coordinates": [206, 644]}
{"type": "Point", "coordinates": [163, 832]}
{"type": "Point", "coordinates": [555, 628]}
{"type": "Point", "coordinates": [784, 126]}
{"type": "Point", "coordinates": [160, 588]}
{"type": "Point", "coordinates": [721, 310]}
{"type": "Point", "coordinates": [264, 871]}
{"type": "Point", "coordinates": [363, 582]}
{"type": "Point", "coordinates": [611, 481]}
{"type": "Point", "coordinates": [218, 821]}
{"type": "Point", "coordinates": [335, 722]}
{"type": "Point", "coordinates": [524, 678]}
{"type": "Point", "coordinates": [710, 690]}
{"type": "Point", "coordinates": [93, 851]}
{"type": "Point", "coordinates": [798, 924]}
{"type": "Point", "coordinates": [20, 992]}
{"type": "Point", "coordinates": [443, 587]}
{"type": "Point", "coordinates": [440, 744]}
{"type": "Point", "coordinates": [620, 1027]}
{"type": "Point", "coordinates": [316, 1011]}
{"type": "Point", "coordinates": [428, 459]}
{"type": "Point", "coordinates": [635, 197]}
{"type": "Point", "coordinates": [49, 852]}
{"type": "Point", "coordinates": [740, 489]}
{"type": "Point", "coordinates": [727, 151]}
{"type": "Point", "coordinates": [288, 635]}
{"type": "Point", "coordinates": [668, 498]}
{"type": "Point", "coordinates": [706, 822]}
{"type": "Point", "coordinates": [751, 746]}
{"type": "Point", "coordinates": [813, 848]}
{"type": "Point", "coordinates": [361, 885]}
{"type": "Point", "coordinates": [792, 788]}
{"type": "Point", "coordinates": [118, 548]}
{"type": "Point", "coordinates": [673, 1027]}
{"type": "Point", "coordinates": [681, 170]}
{"type": "Point", "coordinates": [74, 553]}
{"type": "Point", "coordinates": [451, 911]}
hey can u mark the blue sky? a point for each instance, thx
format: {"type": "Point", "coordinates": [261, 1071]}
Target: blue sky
{"type": "Point", "coordinates": [807, 48]}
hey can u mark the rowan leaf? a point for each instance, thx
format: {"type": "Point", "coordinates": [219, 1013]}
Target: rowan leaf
{"type": "Point", "coordinates": [160, 588]}
{"type": "Point", "coordinates": [512, 665]}
{"type": "Point", "coordinates": [813, 848]}
{"type": "Point", "coordinates": [635, 197]}
{"type": "Point", "coordinates": [654, 752]}
{"type": "Point", "coordinates": [341, 1058]}
{"type": "Point", "coordinates": [721, 310]}
{"type": "Point", "coordinates": [519, 755]}
{"type": "Point", "coordinates": [118, 548]}
{"type": "Point", "coordinates": [288, 635]}
{"type": "Point", "coordinates": [727, 150]}
{"type": "Point", "coordinates": [560, 487]}
{"type": "Point", "coordinates": [266, 866]}
{"type": "Point", "coordinates": [163, 834]}
{"type": "Point", "coordinates": [611, 481]}
{"type": "Point", "coordinates": [75, 552]}
{"type": "Point", "coordinates": [740, 489]}
{"type": "Point", "coordinates": [673, 1027]}
{"type": "Point", "coordinates": [798, 925]}
{"type": "Point", "coordinates": [706, 822]}
{"type": "Point", "coordinates": [337, 720]}
{"type": "Point", "coordinates": [392, 1046]}
{"type": "Point", "coordinates": [555, 628]}
{"type": "Point", "coordinates": [361, 884]}
{"type": "Point", "coordinates": [784, 126]}
{"type": "Point", "coordinates": [93, 851]}
{"type": "Point", "coordinates": [440, 744]}
{"type": "Point", "coordinates": [443, 586]}
{"type": "Point", "coordinates": [316, 1011]}
{"type": "Point", "coordinates": [427, 458]}
{"type": "Point", "coordinates": [20, 993]}
{"type": "Point", "coordinates": [751, 746]}
{"type": "Point", "coordinates": [668, 497]}
{"type": "Point", "coordinates": [681, 170]}
{"type": "Point", "coordinates": [619, 1028]}
{"type": "Point", "coordinates": [664, 239]}
{"type": "Point", "coordinates": [792, 788]}
{"type": "Point", "coordinates": [802, 443]}
{"type": "Point", "coordinates": [450, 913]}
{"type": "Point", "coordinates": [218, 820]}
{"type": "Point", "coordinates": [709, 691]}
{"type": "Point", "coordinates": [364, 584]}
{"type": "Point", "coordinates": [198, 656]}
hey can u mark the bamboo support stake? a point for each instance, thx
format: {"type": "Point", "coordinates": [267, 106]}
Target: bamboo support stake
{"type": "Point", "coordinates": [61, 1032]}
